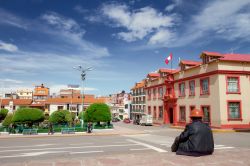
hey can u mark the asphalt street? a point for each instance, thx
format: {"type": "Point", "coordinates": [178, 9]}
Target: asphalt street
{"type": "Point", "coordinates": [155, 140]}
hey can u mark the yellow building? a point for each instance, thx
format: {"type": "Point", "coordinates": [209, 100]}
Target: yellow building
{"type": "Point", "coordinates": [41, 93]}
{"type": "Point", "coordinates": [219, 86]}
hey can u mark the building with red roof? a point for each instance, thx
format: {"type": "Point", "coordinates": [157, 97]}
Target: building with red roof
{"type": "Point", "coordinates": [14, 104]}
{"type": "Point", "coordinates": [219, 85]}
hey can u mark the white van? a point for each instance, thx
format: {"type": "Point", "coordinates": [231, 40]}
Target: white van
{"type": "Point", "coordinates": [146, 120]}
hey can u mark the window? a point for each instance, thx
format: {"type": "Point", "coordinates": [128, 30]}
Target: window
{"type": "Point", "coordinates": [154, 111]}
{"type": "Point", "coordinates": [154, 93]}
{"type": "Point", "coordinates": [204, 86]}
{"type": "Point", "coordinates": [126, 106]}
{"type": "Point", "coordinates": [121, 111]}
{"type": "Point", "coordinates": [191, 108]}
{"type": "Point", "coordinates": [41, 91]}
{"type": "Point", "coordinates": [234, 110]}
{"type": "Point", "coordinates": [205, 59]}
{"type": "Point", "coordinates": [160, 91]}
{"type": "Point", "coordinates": [60, 108]}
{"type": "Point", "coordinates": [182, 89]}
{"type": "Point", "coordinates": [206, 113]}
{"type": "Point", "coordinates": [160, 112]}
{"type": "Point", "coordinates": [149, 110]}
{"type": "Point", "coordinates": [149, 94]}
{"type": "Point", "coordinates": [182, 113]}
{"type": "Point", "coordinates": [233, 85]}
{"type": "Point", "coordinates": [192, 88]}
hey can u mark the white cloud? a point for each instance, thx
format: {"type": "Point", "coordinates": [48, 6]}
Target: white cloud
{"type": "Point", "coordinates": [229, 20]}
{"type": "Point", "coordinates": [72, 34]}
{"type": "Point", "coordinates": [67, 34]}
{"type": "Point", "coordinates": [80, 9]}
{"type": "Point", "coordinates": [171, 7]}
{"type": "Point", "coordinates": [8, 81]}
{"type": "Point", "coordinates": [161, 36]}
{"type": "Point", "coordinates": [138, 23]}
{"type": "Point", "coordinates": [8, 47]}
{"type": "Point", "coordinates": [12, 20]}
{"type": "Point", "coordinates": [9, 85]}
{"type": "Point", "coordinates": [63, 24]}
{"type": "Point", "coordinates": [44, 62]}
{"type": "Point", "coordinates": [55, 88]}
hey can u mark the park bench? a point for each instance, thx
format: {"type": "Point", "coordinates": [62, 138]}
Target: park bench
{"type": "Point", "coordinates": [30, 131]}
{"type": "Point", "coordinates": [68, 130]}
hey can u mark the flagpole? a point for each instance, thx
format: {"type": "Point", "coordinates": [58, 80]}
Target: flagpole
{"type": "Point", "coordinates": [171, 63]}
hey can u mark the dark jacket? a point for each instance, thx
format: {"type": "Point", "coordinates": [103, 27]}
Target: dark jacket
{"type": "Point", "coordinates": [196, 140]}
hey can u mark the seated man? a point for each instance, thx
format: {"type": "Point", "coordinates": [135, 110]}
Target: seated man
{"type": "Point", "coordinates": [196, 139]}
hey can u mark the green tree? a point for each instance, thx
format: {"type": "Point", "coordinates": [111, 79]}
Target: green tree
{"type": "Point", "coordinates": [7, 120]}
{"type": "Point", "coordinates": [97, 112]}
{"type": "Point", "coordinates": [61, 116]}
{"type": "Point", "coordinates": [28, 116]}
{"type": "Point", "coordinates": [3, 113]}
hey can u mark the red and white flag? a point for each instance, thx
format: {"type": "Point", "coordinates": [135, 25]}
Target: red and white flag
{"type": "Point", "coordinates": [169, 58]}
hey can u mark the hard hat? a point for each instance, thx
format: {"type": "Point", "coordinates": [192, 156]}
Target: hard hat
{"type": "Point", "coordinates": [196, 113]}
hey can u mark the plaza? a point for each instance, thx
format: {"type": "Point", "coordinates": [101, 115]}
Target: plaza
{"type": "Point", "coordinates": [126, 144]}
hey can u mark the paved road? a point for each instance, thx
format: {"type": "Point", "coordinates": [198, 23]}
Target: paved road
{"type": "Point", "coordinates": [150, 148]}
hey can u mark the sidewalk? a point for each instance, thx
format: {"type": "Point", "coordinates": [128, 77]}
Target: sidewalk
{"type": "Point", "coordinates": [216, 130]}
{"type": "Point", "coordinates": [118, 130]}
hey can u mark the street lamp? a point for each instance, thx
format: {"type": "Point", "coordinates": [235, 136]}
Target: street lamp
{"type": "Point", "coordinates": [83, 75]}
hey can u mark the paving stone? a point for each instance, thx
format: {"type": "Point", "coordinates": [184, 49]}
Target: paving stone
{"type": "Point", "coordinates": [68, 163]}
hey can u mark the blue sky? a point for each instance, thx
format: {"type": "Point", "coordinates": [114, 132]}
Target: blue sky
{"type": "Point", "coordinates": [41, 40]}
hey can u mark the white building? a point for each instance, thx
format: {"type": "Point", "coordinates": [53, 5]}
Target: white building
{"type": "Point", "coordinates": [25, 94]}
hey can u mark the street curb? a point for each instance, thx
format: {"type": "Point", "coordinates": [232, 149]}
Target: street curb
{"type": "Point", "coordinates": [70, 135]}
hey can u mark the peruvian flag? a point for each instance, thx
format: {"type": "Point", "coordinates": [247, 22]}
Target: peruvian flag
{"type": "Point", "coordinates": [169, 58]}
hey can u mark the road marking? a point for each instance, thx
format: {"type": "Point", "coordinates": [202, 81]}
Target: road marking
{"type": "Point", "coordinates": [86, 152]}
{"type": "Point", "coordinates": [147, 145]}
{"type": "Point", "coordinates": [226, 147]}
{"type": "Point", "coordinates": [136, 135]}
{"type": "Point", "coordinates": [78, 147]}
{"type": "Point", "coordinates": [120, 142]}
{"type": "Point", "coordinates": [9, 147]}
{"type": "Point", "coordinates": [167, 145]}
{"type": "Point", "coordinates": [33, 154]}
{"type": "Point", "coordinates": [82, 144]}
{"type": "Point", "coordinates": [218, 145]}
{"type": "Point", "coordinates": [149, 131]}
{"type": "Point", "coordinates": [139, 149]}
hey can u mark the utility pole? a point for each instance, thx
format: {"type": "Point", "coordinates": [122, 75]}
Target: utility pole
{"type": "Point", "coordinates": [83, 75]}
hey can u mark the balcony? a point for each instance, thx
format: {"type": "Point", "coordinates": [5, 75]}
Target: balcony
{"type": "Point", "coordinates": [138, 102]}
{"type": "Point", "coordinates": [169, 97]}
{"type": "Point", "coordinates": [137, 111]}
{"type": "Point", "coordinates": [138, 94]}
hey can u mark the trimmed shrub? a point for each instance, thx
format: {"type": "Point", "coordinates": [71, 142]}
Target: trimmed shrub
{"type": "Point", "coordinates": [60, 117]}
{"type": "Point", "coordinates": [28, 116]}
{"type": "Point", "coordinates": [97, 112]}
{"type": "Point", "coordinates": [8, 120]}
{"type": "Point", "coordinates": [3, 113]}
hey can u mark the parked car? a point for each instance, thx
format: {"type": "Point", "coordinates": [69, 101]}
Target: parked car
{"type": "Point", "coordinates": [146, 120]}
{"type": "Point", "coordinates": [115, 119]}
{"type": "Point", "coordinates": [126, 120]}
